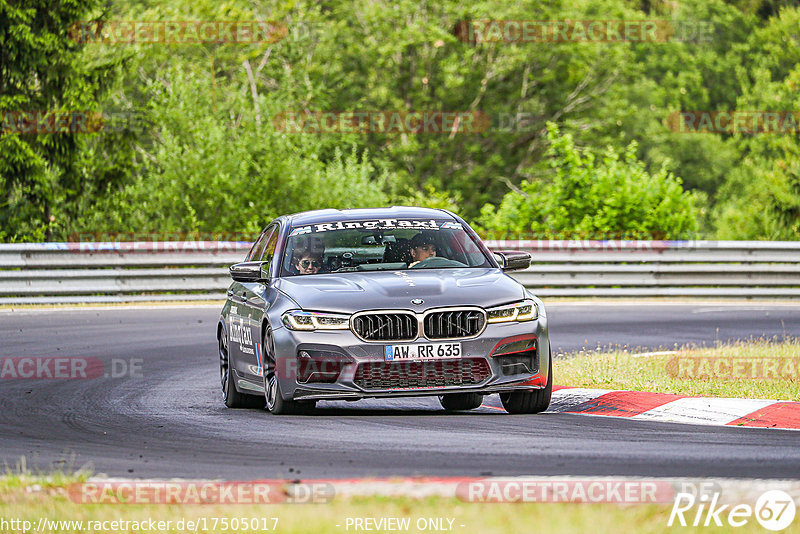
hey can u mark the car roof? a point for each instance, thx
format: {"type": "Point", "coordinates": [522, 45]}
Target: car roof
{"type": "Point", "coordinates": [395, 212]}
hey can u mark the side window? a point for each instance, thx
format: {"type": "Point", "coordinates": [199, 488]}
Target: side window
{"type": "Point", "coordinates": [258, 248]}
{"type": "Point", "coordinates": [269, 249]}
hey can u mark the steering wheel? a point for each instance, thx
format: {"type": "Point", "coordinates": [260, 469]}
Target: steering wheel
{"type": "Point", "coordinates": [436, 262]}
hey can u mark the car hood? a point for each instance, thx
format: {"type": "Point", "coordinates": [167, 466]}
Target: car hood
{"type": "Point", "coordinates": [357, 291]}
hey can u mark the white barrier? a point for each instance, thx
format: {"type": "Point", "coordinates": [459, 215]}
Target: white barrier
{"type": "Point", "coordinates": [197, 270]}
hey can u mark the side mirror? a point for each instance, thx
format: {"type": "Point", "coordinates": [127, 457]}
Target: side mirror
{"type": "Point", "coordinates": [500, 259]}
{"type": "Point", "coordinates": [250, 271]}
{"type": "Point", "coordinates": [512, 260]}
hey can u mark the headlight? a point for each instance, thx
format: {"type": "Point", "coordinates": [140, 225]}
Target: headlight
{"type": "Point", "coordinates": [303, 320]}
{"type": "Point", "coordinates": [525, 310]}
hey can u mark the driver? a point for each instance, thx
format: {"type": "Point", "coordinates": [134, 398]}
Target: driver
{"type": "Point", "coordinates": [421, 247]}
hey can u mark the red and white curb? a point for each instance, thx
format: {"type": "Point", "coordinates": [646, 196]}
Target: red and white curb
{"type": "Point", "coordinates": [665, 407]}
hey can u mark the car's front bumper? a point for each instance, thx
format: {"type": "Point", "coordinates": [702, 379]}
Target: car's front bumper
{"type": "Point", "coordinates": [351, 352]}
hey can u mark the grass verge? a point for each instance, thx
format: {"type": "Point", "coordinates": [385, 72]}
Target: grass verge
{"type": "Point", "coordinates": [32, 499]}
{"type": "Point", "coordinates": [754, 369]}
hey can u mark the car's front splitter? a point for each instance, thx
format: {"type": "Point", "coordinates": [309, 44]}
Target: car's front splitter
{"type": "Point", "coordinates": [305, 392]}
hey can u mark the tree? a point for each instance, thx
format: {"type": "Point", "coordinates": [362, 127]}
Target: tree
{"type": "Point", "coordinates": [45, 83]}
{"type": "Point", "coordinates": [611, 196]}
{"type": "Point", "coordinates": [761, 197]}
{"type": "Point", "coordinates": [227, 171]}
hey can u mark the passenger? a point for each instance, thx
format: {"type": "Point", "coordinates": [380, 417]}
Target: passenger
{"type": "Point", "coordinates": [307, 262]}
{"type": "Point", "coordinates": [421, 247]}
{"type": "Point", "coordinates": [307, 257]}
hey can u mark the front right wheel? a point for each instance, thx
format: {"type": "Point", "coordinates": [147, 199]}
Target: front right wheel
{"type": "Point", "coordinates": [530, 401]}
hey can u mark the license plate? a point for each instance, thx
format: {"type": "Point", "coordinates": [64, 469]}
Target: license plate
{"type": "Point", "coordinates": [423, 351]}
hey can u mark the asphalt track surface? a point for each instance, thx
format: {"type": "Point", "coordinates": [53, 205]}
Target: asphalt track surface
{"type": "Point", "coordinates": [170, 421]}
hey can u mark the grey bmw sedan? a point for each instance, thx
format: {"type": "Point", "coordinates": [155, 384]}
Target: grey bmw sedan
{"type": "Point", "coordinates": [380, 303]}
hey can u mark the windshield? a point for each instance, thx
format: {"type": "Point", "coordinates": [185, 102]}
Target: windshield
{"type": "Point", "coordinates": [380, 245]}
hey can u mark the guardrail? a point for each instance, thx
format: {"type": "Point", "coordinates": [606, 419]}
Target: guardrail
{"type": "Point", "coordinates": [746, 269]}
{"type": "Point", "coordinates": [197, 270]}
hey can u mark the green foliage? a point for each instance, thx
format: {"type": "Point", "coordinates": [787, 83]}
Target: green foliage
{"type": "Point", "coordinates": [611, 196]}
{"type": "Point", "coordinates": [769, 206]}
{"type": "Point", "coordinates": [761, 198]}
{"type": "Point", "coordinates": [431, 198]}
{"type": "Point", "coordinates": [210, 158]}
{"type": "Point", "coordinates": [230, 170]}
{"type": "Point", "coordinates": [43, 71]}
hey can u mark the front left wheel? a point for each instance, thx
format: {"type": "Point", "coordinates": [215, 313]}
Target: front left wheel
{"type": "Point", "coordinates": [530, 401]}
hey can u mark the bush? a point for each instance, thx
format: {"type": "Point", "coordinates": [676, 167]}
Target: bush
{"type": "Point", "coordinates": [228, 172]}
{"type": "Point", "coordinates": [611, 196]}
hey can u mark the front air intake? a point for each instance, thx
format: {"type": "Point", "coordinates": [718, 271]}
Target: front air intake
{"type": "Point", "coordinates": [425, 374]}
{"type": "Point", "coordinates": [454, 324]}
{"type": "Point", "coordinates": [392, 326]}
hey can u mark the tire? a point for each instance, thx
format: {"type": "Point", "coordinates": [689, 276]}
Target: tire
{"type": "Point", "coordinates": [230, 395]}
{"type": "Point", "coordinates": [275, 402]}
{"type": "Point", "coordinates": [530, 401]}
{"type": "Point", "coordinates": [460, 401]}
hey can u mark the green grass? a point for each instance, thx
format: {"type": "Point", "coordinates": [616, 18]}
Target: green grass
{"type": "Point", "coordinates": [692, 371]}
{"type": "Point", "coordinates": [30, 498]}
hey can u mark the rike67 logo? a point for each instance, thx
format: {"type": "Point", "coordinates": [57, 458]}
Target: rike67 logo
{"type": "Point", "coordinates": [774, 510]}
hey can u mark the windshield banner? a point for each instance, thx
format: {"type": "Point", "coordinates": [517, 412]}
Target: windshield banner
{"type": "Point", "coordinates": [377, 224]}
